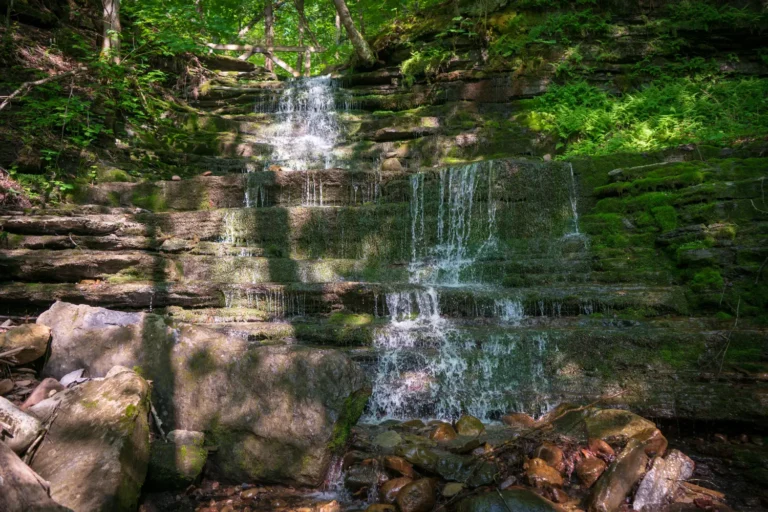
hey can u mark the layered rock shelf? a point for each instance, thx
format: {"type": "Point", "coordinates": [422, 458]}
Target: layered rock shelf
{"type": "Point", "coordinates": [396, 298]}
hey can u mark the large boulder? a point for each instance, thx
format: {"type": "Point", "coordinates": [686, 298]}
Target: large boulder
{"type": "Point", "coordinates": [31, 338]}
{"type": "Point", "coordinates": [96, 451]}
{"type": "Point", "coordinates": [274, 412]}
{"type": "Point", "coordinates": [21, 489]}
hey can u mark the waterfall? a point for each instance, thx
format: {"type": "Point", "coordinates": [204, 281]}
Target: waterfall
{"type": "Point", "coordinates": [434, 366]}
{"type": "Point", "coordinates": [307, 124]}
{"type": "Point", "coordinates": [430, 367]}
{"type": "Point", "coordinates": [453, 252]}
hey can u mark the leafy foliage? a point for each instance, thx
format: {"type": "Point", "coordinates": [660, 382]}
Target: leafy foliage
{"type": "Point", "coordinates": [665, 113]}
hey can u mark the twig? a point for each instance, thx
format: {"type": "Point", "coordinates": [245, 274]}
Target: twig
{"type": "Point", "coordinates": [760, 270]}
{"type": "Point", "coordinates": [26, 86]}
{"type": "Point", "coordinates": [503, 500]}
{"type": "Point", "coordinates": [13, 351]}
{"type": "Point", "coordinates": [73, 242]}
{"type": "Point", "coordinates": [32, 450]}
{"type": "Point", "coordinates": [158, 423]}
{"type": "Point", "coordinates": [728, 343]}
{"type": "Point", "coordinates": [755, 207]}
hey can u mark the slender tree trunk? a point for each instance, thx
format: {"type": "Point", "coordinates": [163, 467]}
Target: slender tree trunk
{"type": "Point", "coordinates": [257, 18]}
{"type": "Point", "coordinates": [8, 17]}
{"type": "Point", "coordinates": [110, 47]}
{"type": "Point", "coordinates": [269, 32]}
{"type": "Point", "coordinates": [363, 50]}
{"type": "Point", "coordinates": [362, 17]}
{"type": "Point", "coordinates": [299, 56]}
{"type": "Point", "coordinates": [337, 38]}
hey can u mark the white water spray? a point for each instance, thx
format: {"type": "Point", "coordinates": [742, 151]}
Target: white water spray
{"type": "Point", "coordinates": [307, 127]}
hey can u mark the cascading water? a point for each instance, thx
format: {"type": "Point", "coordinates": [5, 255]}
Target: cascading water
{"type": "Point", "coordinates": [433, 367]}
{"type": "Point", "coordinates": [442, 262]}
{"type": "Point", "coordinates": [307, 125]}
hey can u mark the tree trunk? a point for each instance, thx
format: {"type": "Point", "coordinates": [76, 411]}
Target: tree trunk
{"type": "Point", "coordinates": [269, 32]}
{"type": "Point", "coordinates": [9, 8]}
{"type": "Point", "coordinates": [363, 50]}
{"type": "Point", "coordinates": [300, 10]}
{"type": "Point", "coordinates": [257, 18]}
{"type": "Point", "coordinates": [110, 47]}
{"type": "Point", "coordinates": [362, 17]}
{"type": "Point", "coordinates": [337, 38]}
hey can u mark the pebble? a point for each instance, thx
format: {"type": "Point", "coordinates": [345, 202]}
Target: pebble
{"type": "Point", "coordinates": [176, 178]}
{"type": "Point", "coordinates": [6, 385]}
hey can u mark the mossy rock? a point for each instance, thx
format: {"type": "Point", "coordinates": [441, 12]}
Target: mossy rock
{"type": "Point", "coordinates": [175, 464]}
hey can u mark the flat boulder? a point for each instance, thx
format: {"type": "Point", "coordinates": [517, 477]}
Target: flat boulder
{"type": "Point", "coordinates": [517, 500]}
{"type": "Point", "coordinates": [32, 339]}
{"type": "Point", "coordinates": [450, 466]}
{"type": "Point", "coordinates": [273, 412]}
{"type": "Point", "coordinates": [96, 451]}
{"type": "Point", "coordinates": [615, 425]}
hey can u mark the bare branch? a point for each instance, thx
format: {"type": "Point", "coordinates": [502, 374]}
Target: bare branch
{"type": "Point", "coordinates": [26, 86]}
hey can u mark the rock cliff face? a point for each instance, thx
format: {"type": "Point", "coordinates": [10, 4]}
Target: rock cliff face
{"type": "Point", "coordinates": [438, 246]}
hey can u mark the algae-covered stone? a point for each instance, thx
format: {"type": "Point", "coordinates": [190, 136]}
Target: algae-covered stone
{"type": "Point", "coordinates": [363, 477]}
{"type": "Point", "coordinates": [387, 439]}
{"type": "Point", "coordinates": [96, 452]}
{"type": "Point", "coordinates": [469, 426]}
{"type": "Point", "coordinates": [615, 425]}
{"type": "Point", "coordinates": [177, 463]}
{"type": "Point", "coordinates": [450, 466]}
{"type": "Point", "coordinates": [518, 500]}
